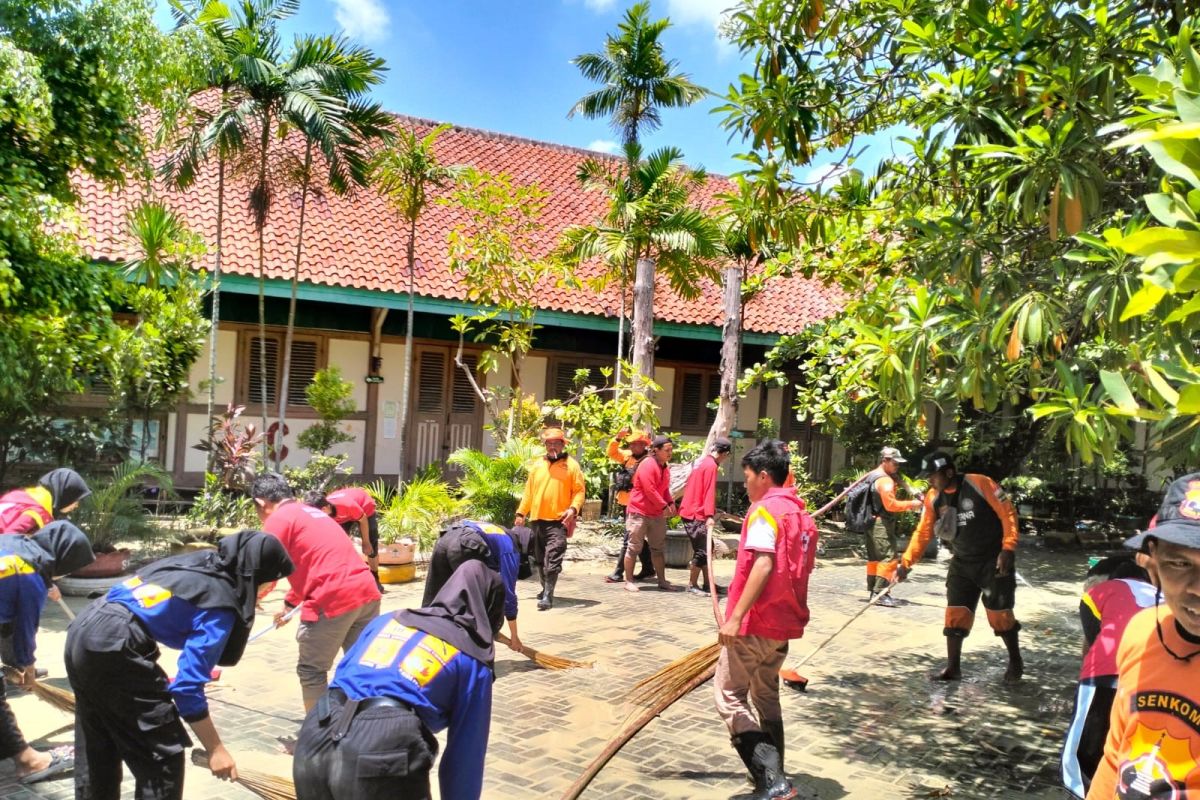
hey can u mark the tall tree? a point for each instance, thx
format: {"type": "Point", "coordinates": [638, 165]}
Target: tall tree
{"type": "Point", "coordinates": [637, 81]}
{"type": "Point", "coordinates": [405, 172]}
{"type": "Point", "coordinates": [653, 218]}
{"type": "Point", "coordinates": [342, 129]}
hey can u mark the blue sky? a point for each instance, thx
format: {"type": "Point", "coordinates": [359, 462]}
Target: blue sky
{"type": "Point", "coordinates": [504, 66]}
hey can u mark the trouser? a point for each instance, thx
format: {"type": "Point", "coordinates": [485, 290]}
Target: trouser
{"type": "Point", "coordinates": [549, 546]}
{"type": "Point", "coordinates": [697, 533]}
{"type": "Point", "coordinates": [883, 553]}
{"type": "Point", "coordinates": [1084, 746]}
{"type": "Point", "coordinates": [746, 686]}
{"type": "Point", "coordinates": [12, 741]}
{"type": "Point", "coordinates": [969, 581]}
{"type": "Point", "coordinates": [123, 709]}
{"type": "Point", "coordinates": [647, 564]}
{"type": "Point", "coordinates": [375, 749]}
{"type": "Point", "coordinates": [646, 530]}
{"type": "Point", "coordinates": [320, 641]}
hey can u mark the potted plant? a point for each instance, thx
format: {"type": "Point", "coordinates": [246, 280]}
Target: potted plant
{"type": "Point", "coordinates": [233, 460]}
{"type": "Point", "coordinates": [113, 513]}
{"type": "Point", "coordinates": [411, 516]}
{"type": "Point", "coordinates": [1029, 493]}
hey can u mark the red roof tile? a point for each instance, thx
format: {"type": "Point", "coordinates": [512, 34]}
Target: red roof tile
{"type": "Point", "coordinates": [357, 241]}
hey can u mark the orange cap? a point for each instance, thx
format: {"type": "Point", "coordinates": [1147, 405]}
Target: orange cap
{"type": "Point", "coordinates": [638, 436]}
{"type": "Point", "coordinates": [553, 433]}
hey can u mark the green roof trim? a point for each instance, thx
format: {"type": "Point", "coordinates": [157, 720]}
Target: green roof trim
{"type": "Point", "coordinates": [277, 287]}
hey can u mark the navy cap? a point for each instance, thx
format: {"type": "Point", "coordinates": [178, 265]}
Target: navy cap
{"type": "Point", "coordinates": [1178, 519]}
{"type": "Point", "coordinates": [936, 462]}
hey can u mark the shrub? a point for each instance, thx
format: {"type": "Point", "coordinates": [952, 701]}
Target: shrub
{"type": "Point", "coordinates": [491, 486]}
{"type": "Point", "coordinates": [113, 512]}
{"type": "Point", "coordinates": [418, 510]}
{"type": "Point", "coordinates": [329, 396]}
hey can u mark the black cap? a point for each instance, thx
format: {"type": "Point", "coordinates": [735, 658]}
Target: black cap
{"type": "Point", "coordinates": [1178, 519]}
{"type": "Point", "coordinates": [722, 445]}
{"type": "Point", "coordinates": [660, 440]}
{"type": "Point", "coordinates": [936, 462]}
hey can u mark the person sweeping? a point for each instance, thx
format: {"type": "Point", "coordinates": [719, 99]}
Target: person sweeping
{"type": "Point", "coordinates": [27, 565]}
{"type": "Point", "coordinates": [411, 674]}
{"type": "Point", "coordinates": [126, 710]}
{"type": "Point", "coordinates": [352, 507]}
{"type": "Point", "coordinates": [767, 606]}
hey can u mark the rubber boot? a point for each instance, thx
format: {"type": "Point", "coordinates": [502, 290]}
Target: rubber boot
{"type": "Point", "coordinates": [378, 583]}
{"type": "Point", "coordinates": [762, 759]}
{"type": "Point", "coordinates": [541, 576]}
{"type": "Point", "coordinates": [547, 600]}
{"type": "Point", "coordinates": [774, 729]}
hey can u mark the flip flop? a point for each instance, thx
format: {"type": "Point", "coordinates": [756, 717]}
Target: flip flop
{"type": "Point", "coordinates": [62, 759]}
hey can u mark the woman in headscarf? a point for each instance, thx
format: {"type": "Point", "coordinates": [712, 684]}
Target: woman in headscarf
{"type": "Point", "coordinates": [410, 674]}
{"type": "Point", "coordinates": [201, 604]}
{"type": "Point", "coordinates": [57, 494]}
{"type": "Point", "coordinates": [27, 565]}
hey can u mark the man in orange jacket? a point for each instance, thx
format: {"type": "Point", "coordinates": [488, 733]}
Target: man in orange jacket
{"type": "Point", "coordinates": [975, 516]}
{"type": "Point", "coordinates": [552, 501]}
{"type": "Point", "coordinates": [628, 457]}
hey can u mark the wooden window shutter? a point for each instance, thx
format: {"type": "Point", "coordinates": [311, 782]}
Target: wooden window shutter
{"type": "Point", "coordinates": [431, 377]}
{"type": "Point", "coordinates": [564, 380]}
{"type": "Point", "coordinates": [691, 402]}
{"type": "Point", "coordinates": [463, 399]}
{"type": "Point", "coordinates": [303, 368]}
{"type": "Point", "coordinates": [254, 393]}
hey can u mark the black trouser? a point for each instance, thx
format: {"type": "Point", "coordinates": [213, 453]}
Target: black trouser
{"type": "Point", "coordinates": [376, 749]}
{"type": "Point", "coordinates": [697, 533]}
{"type": "Point", "coordinates": [123, 710]}
{"type": "Point", "coordinates": [351, 529]}
{"type": "Point", "coordinates": [647, 564]}
{"type": "Point", "coordinates": [12, 742]}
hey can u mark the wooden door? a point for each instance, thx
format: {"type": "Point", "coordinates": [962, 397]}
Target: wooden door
{"type": "Point", "coordinates": [446, 413]}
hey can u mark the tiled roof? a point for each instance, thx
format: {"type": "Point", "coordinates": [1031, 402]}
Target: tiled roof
{"type": "Point", "coordinates": [358, 242]}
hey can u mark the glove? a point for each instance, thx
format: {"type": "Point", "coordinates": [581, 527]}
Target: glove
{"type": "Point", "coordinates": [902, 573]}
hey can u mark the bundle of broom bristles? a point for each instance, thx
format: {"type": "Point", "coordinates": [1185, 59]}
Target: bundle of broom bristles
{"type": "Point", "coordinates": [545, 660]}
{"type": "Point", "coordinates": [61, 699]}
{"type": "Point", "coordinates": [263, 784]}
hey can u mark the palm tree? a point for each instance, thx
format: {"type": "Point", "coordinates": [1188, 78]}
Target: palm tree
{"type": "Point", "coordinates": [405, 171]}
{"type": "Point", "coordinates": [650, 218]}
{"type": "Point", "coordinates": [637, 80]}
{"type": "Point", "coordinates": [342, 130]}
{"type": "Point", "coordinates": [219, 131]}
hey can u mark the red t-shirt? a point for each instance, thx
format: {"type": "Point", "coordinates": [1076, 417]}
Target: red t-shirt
{"type": "Point", "coordinates": [651, 492]}
{"type": "Point", "coordinates": [21, 511]}
{"type": "Point", "coordinates": [350, 504]}
{"type": "Point", "coordinates": [700, 492]}
{"type": "Point", "coordinates": [1108, 607]}
{"type": "Point", "coordinates": [330, 577]}
{"type": "Point", "coordinates": [776, 524]}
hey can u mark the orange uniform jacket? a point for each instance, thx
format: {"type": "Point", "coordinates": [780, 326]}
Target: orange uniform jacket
{"type": "Point", "coordinates": [980, 485]}
{"type": "Point", "coordinates": [552, 489]}
{"type": "Point", "coordinates": [626, 459]}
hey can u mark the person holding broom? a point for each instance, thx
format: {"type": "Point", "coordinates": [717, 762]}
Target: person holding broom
{"type": "Point", "coordinates": [551, 503]}
{"type": "Point", "coordinates": [767, 606]}
{"type": "Point", "coordinates": [411, 674]}
{"type": "Point", "coordinates": [27, 565]}
{"type": "Point", "coordinates": [499, 549]}
{"type": "Point", "coordinates": [126, 710]}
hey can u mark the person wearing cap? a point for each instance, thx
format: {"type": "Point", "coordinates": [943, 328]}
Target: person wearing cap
{"type": "Point", "coordinates": [698, 510]}
{"type": "Point", "coordinates": [1153, 745]}
{"type": "Point", "coordinates": [650, 505]}
{"type": "Point", "coordinates": [628, 457]}
{"type": "Point", "coordinates": [551, 503]}
{"type": "Point", "coordinates": [353, 507]}
{"type": "Point", "coordinates": [976, 517]}
{"type": "Point", "coordinates": [883, 548]}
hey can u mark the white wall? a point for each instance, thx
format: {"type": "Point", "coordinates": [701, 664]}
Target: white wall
{"type": "Point", "coordinates": [665, 400]}
{"type": "Point", "coordinates": [194, 460]}
{"type": "Point", "coordinates": [387, 450]}
{"type": "Point", "coordinates": [775, 409]}
{"type": "Point", "coordinates": [747, 416]}
{"type": "Point", "coordinates": [352, 356]}
{"type": "Point", "coordinates": [168, 448]}
{"type": "Point", "coordinates": [226, 363]}
{"type": "Point", "coordinates": [533, 376]}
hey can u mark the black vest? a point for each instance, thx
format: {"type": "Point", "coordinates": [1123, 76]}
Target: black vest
{"type": "Point", "coordinates": [980, 531]}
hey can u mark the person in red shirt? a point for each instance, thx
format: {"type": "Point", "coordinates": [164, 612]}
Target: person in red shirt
{"type": "Point", "coordinates": [57, 494]}
{"type": "Point", "coordinates": [1153, 745]}
{"type": "Point", "coordinates": [331, 585]}
{"type": "Point", "coordinates": [768, 605]}
{"type": "Point", "coordinates": [353, 507]}
{"type": "Point", "coordinates": [650, 505]}
{"type": "Point", "coordinates": [698, 509]}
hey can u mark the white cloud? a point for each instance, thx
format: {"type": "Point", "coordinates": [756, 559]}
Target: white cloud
{"type": "Point", "coordinates": [366, 20]}
{"type": "Point", "coordinates": [604, 146]}
{"type": "Point", "coordinates": [708, 13]}
{"type": "Point", "coordinates": [824, 175]}
{"type": "Point", "coordinates": [600, 6]}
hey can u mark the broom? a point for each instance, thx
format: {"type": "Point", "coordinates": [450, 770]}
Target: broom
{"type": "Point", "coordinates": [263, 784]}
{"type": "Point", "coordinates": [61, 699]}
{"type": "Point", "coordinates": [546, 660]}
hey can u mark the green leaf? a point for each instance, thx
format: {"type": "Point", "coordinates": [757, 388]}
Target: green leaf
{"type": "Point", "coordinates": [1118, 391]}
{"type": "Point", "coordinates": [1189, 399]}
{"type": "Point", "coordinates": [1168, 240]}
{"type": "Point", "coordinates": [1143, 301]}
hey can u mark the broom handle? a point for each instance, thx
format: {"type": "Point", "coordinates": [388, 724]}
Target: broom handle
{"type": "Point", "coordinates": [846, 624]}
{"type": "Point", "coordinates": [708, 568]}
{"type": "Point", "coordinates": [825, 509]}
{"type": "Point", "coordinates": [631, 729]}
{"type": "Point", "coordinates": [526, 650]}
{"type": "Point", "coordinates": [66, 608]}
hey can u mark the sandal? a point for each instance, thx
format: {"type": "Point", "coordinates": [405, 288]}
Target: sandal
{"type": "Point", "coordinates": [62, 759]}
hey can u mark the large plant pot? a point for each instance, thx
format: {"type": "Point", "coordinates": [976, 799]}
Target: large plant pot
{"type": "Point", "coordinates": [591, 510]}
{"type": "Point", "coordinates": [398, 573]}
{"type": "Point", "coordinates": [106, 565]}
{"type": "Point", "coordinates": [178, 548]}
{"type": "Point", "coordinates": [678, 550]}
{"type": "Point", "coordinates": [396, 553]}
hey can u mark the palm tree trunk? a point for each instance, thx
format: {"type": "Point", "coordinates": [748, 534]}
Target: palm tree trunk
{"type": "Point", "coordinates": [731, 355]}
{"type": "Point", "coordinates": [291, 323]}
{"type": "Point", "coordinates": [261, 222]}
{"type": "Point", "coordinates": [216, 313]}
{"type": "Point", "coordinates": [643, 324]}
{"type": "Point", "coordinates": [405, 386]}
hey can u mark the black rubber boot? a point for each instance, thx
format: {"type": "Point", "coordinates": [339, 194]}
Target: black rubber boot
{"type": "Point", "coordinates": [378, 584]}
{"type": "Point", "coordinates": [770, 783]}
{"type": "Point", "coordinates": [774, 729]}
{"type": "Point", "coordinates": [546, 601]}
{"type": "Point", "coordinates": [541, 576]}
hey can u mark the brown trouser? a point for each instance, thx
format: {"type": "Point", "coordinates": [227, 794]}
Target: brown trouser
{"type": "Point", "coordinates": [646, 530]}
{"type": "Point", "coordinates": [748, 674]}
{"type": "Point", "coordinates": [319, 644]}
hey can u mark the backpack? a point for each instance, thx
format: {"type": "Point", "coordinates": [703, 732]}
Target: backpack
{"type": "Point", "coordinates": [860, 506]}
{"type": "Point", "coordinates": [622, 479]}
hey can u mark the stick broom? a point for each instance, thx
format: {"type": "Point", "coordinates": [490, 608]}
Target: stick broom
{"type": "Point", "coordinates": [546, 660]}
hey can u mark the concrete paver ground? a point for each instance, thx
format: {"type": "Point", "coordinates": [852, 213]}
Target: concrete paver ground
{"type": "Point", "coordinates": [872, 724]}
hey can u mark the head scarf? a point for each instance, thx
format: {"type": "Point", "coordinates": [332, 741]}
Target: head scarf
{"type": "Point", "coordinates": [228, 578]}
{"type": "Point", "coordinates": [466, 613]}
{"type": "Point", "coordinates": [59, 548]}
{"type": "Point", "coordinates": [66, 486]}
{"type": "Point", "coordinates": [456, 545]}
